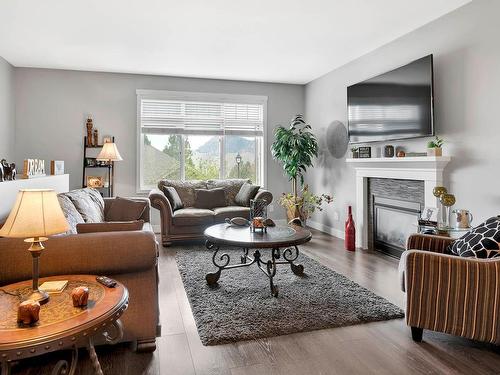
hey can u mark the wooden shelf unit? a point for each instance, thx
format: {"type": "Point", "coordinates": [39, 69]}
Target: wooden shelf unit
{"type": "Point", "coordinates": [104, 189]}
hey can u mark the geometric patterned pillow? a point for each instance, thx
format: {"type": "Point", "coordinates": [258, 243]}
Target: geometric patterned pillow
{"type": "Point", "coordinates": [481, 242]}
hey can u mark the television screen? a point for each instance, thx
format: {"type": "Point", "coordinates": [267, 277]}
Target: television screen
{"type": "Point", "coordinates": [394, 105]}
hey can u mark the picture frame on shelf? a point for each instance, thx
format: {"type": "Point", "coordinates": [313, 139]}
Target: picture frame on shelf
{"type": "Point", "coordinates": [56, 167]}
{"type": "Point", "coordinates": [95, 182]}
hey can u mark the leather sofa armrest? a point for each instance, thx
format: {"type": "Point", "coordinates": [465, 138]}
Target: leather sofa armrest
{"type": "Point", "coordinates": [91, 253]}
{"type": "Point", "coordinates": [160, 202]}
{"type": "Point", "coordinates": [264, 194]}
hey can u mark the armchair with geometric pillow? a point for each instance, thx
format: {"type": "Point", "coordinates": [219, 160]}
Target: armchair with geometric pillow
{"type": "Point", "coordinates": [453, 286]}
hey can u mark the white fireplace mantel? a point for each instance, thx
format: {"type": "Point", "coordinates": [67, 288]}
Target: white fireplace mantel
{"type": "Point", "coordinates": [422, 168]}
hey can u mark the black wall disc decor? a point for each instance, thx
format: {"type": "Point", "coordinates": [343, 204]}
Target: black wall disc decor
{"type": "Point", "coordinates": [337, 139]}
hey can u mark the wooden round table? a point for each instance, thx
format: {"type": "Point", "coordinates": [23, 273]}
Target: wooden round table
{"type": "Point", "coordinates": [61, 326]}
{"type": "Point", "coordinates": [276, 238]}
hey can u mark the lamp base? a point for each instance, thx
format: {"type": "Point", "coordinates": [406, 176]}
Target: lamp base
{"type": "Point", "coordinates": [40, 296]}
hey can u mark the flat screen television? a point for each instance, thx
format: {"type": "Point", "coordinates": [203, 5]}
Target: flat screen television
{"type": "Point", "coordinates": [394, 105]}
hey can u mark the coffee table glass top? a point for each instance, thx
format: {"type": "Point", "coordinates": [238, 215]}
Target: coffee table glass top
{"type": "Point", "coordinates": [242, 236]}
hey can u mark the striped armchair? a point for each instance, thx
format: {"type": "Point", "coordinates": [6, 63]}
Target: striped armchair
{"type": "Point", "coordinates": [450, 294]}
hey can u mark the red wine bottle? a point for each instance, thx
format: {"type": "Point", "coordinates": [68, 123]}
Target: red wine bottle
{"type": "Point", "coordinates": [350, 232]}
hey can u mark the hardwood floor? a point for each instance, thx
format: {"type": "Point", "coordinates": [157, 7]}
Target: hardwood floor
{"type": "Point", "coordinates": [378, 348]}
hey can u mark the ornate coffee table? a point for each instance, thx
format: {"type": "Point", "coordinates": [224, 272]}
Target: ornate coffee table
{"type": "Point", "coordinates": [282, 241]}
{"type": "Point", "coordinates": [61, 326]}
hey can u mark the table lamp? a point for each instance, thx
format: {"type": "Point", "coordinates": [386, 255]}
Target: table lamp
{"type": "Point", "coordinates": [35, 215]}
{"type": "Point", "coordinates": [110, 154]}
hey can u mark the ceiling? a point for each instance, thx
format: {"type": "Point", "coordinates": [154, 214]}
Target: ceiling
{"type": "Point", "coordinates": [290, 41]}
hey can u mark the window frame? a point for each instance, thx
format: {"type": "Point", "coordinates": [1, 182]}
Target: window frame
{"type": "Point", "coordinates": [198, 96]}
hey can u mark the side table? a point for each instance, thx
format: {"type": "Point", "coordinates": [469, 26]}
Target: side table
{"type": "Point", "coordinates": [61, 326]}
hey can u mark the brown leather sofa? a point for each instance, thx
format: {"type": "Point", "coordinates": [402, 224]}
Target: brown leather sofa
{"type": "Point", "coordinates": [188, 223]}
{"type": "Point", "coordinates": [127, 256]}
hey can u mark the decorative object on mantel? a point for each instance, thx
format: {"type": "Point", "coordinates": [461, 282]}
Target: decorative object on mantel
{"type": "Point", "coordinates": [295, 148]}
{"type": "Point", "coordinates": [365, 152]}
{"type": "Point", "coordinates": [34, 168]}
{"type": "Point", "coordinates": [415, 154]}
{"type": "Point", "coordinates": [355, 152]}
{"type": "Point", "coordinates": [56, 167]}
{"type": "Point", "coordinates": [7, 171]}
{"type": "Point", "coordinates": [337, 139]}
{"type": "Point", "coordinates": [389, 151]}
{"type": "Point", "coordinates": [434, 147]}
{"type": "Point", "coordinates": [89, 125]}
{"type": "Point", "coordinates": [28, 312]}
{"type": "Point", "coordinates": [401, 154]}
{"type": "Point", "coordinates": [110, 154]}
{"type": "Point", "coordinates": [350, 232]}
{"type": "Point", "coordinates": [35, 215]}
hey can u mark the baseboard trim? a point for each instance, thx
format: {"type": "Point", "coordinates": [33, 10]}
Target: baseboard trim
{"type": "Point", "coordinates": [325, 229]}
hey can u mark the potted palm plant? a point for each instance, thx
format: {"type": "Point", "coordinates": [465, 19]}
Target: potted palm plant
{"type": "Point", "coordinates": [295, 147]}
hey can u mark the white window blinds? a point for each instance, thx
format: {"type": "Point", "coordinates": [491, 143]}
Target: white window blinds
{"type": "Point", "coordinates": [164, 116]}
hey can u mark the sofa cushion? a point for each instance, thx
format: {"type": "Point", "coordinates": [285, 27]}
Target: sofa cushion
{"type": "Point", "coordinates": [88, 203]}
{"type": "Point", "coordinates": [221, 213]}
{"type": "Point", "coordinates": [231, 188]}
{"type": "Point", "coordinates": [193, 216]}
{"type": "Point", "coordinates": [185, 189]}
{"type": "Point", "coordinates": [209, 198]}
{"type": "Point", "coordinates": [173, 197]}
{"type": "Point", "coordinates": [72, 216]}
{"type": "Point", "coordinates": [123, 209]}
{"type": "Point", "coordinates": [246, 193]}
{"type": "Point", "coordinates": [481, 242]}
{"type": "Point", "coordinates": [110, 226]}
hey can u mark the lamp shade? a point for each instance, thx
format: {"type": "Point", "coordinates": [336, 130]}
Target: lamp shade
{"type": "Point", "coordinates": [36, 213]}
{"type": "Point", "coordinates": [109, 152]}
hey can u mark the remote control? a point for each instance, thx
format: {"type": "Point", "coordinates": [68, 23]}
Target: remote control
{"type": "Point", "coordinates": [106, 281]}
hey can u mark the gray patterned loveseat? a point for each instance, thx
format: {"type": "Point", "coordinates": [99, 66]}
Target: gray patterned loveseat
{"type": "Point", "coordinates": [198, 207]}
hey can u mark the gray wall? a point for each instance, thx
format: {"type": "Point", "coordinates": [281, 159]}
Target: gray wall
{"type": "Point", "coordinates": [6, 110]}
{"type": "Point", "coordinates": [51, 106]}
{"type": "Point", "coordinates": [466, 48]}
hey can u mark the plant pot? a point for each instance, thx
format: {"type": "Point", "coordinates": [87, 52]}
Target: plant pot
{"type": "Point", "coordinates": [292, 213]}
{"type": "Point", "coordinates": [435, 151]}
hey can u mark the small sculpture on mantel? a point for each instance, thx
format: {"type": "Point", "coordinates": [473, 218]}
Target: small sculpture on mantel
{"type": "Point", "coordinates": [96, 137]}
{"type": "Point", "coordinates": [90, 126]}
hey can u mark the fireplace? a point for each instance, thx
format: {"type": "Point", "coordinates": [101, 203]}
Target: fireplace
{"type": "Point", "coordinates": [393, 221]}
{"type": "Point", "coordinates": [394, 207]}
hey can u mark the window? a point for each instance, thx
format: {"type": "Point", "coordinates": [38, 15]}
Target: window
{"type": "Point", "coordinates": [191, 136]}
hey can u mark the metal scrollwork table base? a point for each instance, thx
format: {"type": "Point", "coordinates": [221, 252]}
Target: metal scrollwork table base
{"type": "Point", "coordinates": [281, 241]}
{"type": "Point", "coordinates": [61, 326]}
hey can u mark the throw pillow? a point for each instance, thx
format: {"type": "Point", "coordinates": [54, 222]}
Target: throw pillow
{"type": "Point", "coordinates": [173, 197]}
{"type": "Point", "coordinates": [123, 209]}
{"type": "Point", "coordinates": [247, 192]}
{"type": "Point", "coordinates": [72, 216]}
{"type": "Point", "coordinates": [481, 242]}
{"type": "Point", "coordinates": [110, 226]}
{"type": "Point", "coordinates": [210, 198]}
{"type": "Point", "coordinates": [89, 203]}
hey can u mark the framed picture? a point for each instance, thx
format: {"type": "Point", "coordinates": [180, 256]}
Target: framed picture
{"type": "Point", "coordinates": [56, 167]}
{"type": "Point", "coordinates": [365, 152]}
{"type": "Point", "coordinates": [107, 139]}
{"type": "Point", "coordinates": [95, 182]}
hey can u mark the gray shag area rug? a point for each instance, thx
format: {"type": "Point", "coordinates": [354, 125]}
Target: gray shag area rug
{"type": "Point", "coordinates": [240, 307]}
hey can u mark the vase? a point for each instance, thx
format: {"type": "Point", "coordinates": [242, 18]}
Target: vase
{"type": "Point", "coordinates": [350, 232]}
{"type": "Point", "coordinates": [435, 151]}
